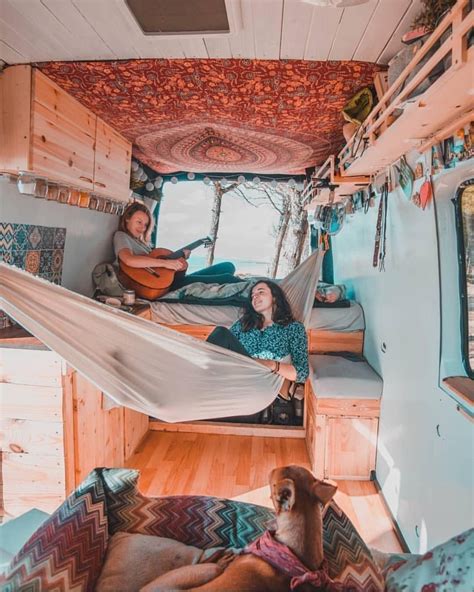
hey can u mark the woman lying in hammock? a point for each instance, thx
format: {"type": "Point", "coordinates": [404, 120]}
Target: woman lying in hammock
{"type": "Point", "coordinates": [268, 332]}
{"type": "Point", "coordinates": [131, 246]}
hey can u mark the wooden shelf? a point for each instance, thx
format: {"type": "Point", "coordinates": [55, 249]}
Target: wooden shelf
{"type": "Point", "coordinates": [444, 106]}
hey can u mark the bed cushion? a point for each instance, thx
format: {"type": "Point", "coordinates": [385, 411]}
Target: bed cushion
{"type": "Point", "coordinates": [339, 377]}
{"type": "Point", "coordinates": [346, 319]}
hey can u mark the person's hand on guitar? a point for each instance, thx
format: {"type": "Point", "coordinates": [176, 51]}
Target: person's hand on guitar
{"type": "Point", "coordinates": [174, 264]}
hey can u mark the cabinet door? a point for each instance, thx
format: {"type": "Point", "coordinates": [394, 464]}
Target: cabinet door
{"type": "Point", "coordinates": [63, 135]}
{"type": "Point", "coordinates": [112, 163]}
{"type": "Point", "coordinates": [350, 447]}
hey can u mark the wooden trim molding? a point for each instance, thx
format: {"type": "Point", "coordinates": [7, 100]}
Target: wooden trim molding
{"type": "Point", "coordinates": [463, 387]}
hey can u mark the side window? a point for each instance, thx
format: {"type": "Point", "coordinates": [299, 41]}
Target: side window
{"type": "Point", "coordinates": [465, 221]}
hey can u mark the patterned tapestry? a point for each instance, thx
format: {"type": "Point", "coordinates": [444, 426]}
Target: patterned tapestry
{"type": "Point", "coordinates": [38, 249]}
{"type": "Point", "coordinates": [214, 115]}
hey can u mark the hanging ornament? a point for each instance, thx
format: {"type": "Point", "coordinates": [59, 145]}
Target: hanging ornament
{"type": "Point", "coordinates": [206, 181]}
{"type": "Point", "coordinates": [143, 176]}
{"type": "Point", "coordinates": [149, 186]}
{"type": "Point", "coordinates": [158, 182]}
{"type": "Point", "coordinates": [405, 177]}
{"type": "Point", "coordinates": [241, 179]}
{"type": "Point", "coordinates": [256, 180]}
{"type": "Point", "coordinates": [191, 176]}
{"type": "Point", "coordinates": [274, 184]}
{"type": "Point", "coordinates": [223, 181]}
{"type": "Point", "coordinates": [291, 182]}
{"type": "Point", "coordinates": [174, 180]}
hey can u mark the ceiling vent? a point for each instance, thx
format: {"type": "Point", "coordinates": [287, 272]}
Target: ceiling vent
{"type": "Point", "coordinates": [181, 17]}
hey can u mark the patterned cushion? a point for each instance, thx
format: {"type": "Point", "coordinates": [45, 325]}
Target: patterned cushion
{"type": "Point", "coordinates": [446, 568]}
{"type": "Point", "coordinates": [210, 522]}
{"type": "Point", "coordinates": [67, 552]}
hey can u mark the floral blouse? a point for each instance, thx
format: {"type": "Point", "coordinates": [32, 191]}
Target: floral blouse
{"type": "Point", "coordinates": [275, 343]}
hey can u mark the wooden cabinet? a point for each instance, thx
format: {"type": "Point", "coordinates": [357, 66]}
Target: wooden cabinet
{"type": "Point", "coordinates": [341, 436]}
{"type": "Point", "coordinates": [51, 134]}
{"type": "Point", "coordinates": [55, 428]}
{"type": "Point", "coordinates": [112, 162]}
{"type": "Point", "coordinates": [62, 135]}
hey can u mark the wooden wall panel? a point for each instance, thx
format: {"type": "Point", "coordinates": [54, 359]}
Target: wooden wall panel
{"type": "Point", "coordinates": [135, 427]}
{"type": "Point", "coordinates": [36, 403]}
{"type": "Point", "coordinates": [32, 481]}
{"type": "Point", "coordinates": [26, 436]}
{"type": "Point", "coordinates": [30, 367]}
{"type": "Point", "coordinates": [98, 432]}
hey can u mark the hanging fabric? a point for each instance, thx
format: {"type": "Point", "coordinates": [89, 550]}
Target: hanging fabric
{"type": "Point", "coordinates": [145, 366]}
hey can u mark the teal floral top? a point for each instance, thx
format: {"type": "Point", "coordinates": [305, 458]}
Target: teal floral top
{"type": "Point", "coordinates": [275, 343]}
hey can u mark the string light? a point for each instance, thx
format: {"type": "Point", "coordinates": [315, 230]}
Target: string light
{"type": "Point", "coordinates": [191, 176]}
{"type": "Point", "coordinates": [256, 180]}
{"type": "Point", "coordinates": [174, 180]}
{"type": "Point", "coordinates": [149, 186]}
{"type": "Point", "coordinates": [158, 182]}
{"type": "Point", "coordinates": [206, 181]}
{"type": "Point", "coordinates": [241, 179]}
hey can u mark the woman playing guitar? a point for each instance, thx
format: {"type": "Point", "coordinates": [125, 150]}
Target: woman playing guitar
{"type": "Point", "coordinates": [133, 252]}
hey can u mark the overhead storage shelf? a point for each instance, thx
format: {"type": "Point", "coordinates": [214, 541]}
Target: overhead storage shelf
{"type": "Point", "coordinates": [401, 121]}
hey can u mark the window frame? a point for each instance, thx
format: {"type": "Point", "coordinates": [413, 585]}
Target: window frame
{"type": "Point", "coordinates": [462, 275]}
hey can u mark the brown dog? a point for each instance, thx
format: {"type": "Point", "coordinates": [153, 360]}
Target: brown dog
{"type": "Point", "coordinates": [299, 499]}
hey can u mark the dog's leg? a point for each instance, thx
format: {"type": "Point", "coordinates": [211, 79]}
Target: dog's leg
{"type": "Point", "coordinates": [183, 578]}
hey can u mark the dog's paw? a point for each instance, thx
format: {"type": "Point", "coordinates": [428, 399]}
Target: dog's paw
{"type": "Point", "coordinates": [225, 560]}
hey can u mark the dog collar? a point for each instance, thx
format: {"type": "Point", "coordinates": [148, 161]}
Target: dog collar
{"type": "Point", "coordinates": [282, 558]}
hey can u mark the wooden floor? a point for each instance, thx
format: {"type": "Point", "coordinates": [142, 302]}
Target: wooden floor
{"type": "Point", "coordinates": [237, 467]}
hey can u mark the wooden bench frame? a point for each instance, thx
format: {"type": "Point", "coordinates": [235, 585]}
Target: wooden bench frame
{"type": "Point", "coordinates": [341, 435]}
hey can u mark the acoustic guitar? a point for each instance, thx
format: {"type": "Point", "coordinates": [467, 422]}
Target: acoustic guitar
{"type": "Point", "coordinates": [152, 282]}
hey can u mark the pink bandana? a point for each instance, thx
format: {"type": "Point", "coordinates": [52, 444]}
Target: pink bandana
{"type": "Point", "coordinates": [283, 559]}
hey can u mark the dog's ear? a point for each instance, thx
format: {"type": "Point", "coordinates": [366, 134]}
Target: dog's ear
{"type": "Point", "coordinates": [324, 491]}
{"type": "Point", "coordinates": [283, 495]}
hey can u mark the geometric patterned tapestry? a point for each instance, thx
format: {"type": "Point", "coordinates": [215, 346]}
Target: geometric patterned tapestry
{"type": "Point", "coordinates": [220, 115]}
{"type": "Point", "coordinates": [38, 249]}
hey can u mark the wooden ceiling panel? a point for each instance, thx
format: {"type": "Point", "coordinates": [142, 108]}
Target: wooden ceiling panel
{"type": "Point", "coordinates": [8, 54]}
{"type": "Point", "coordinates": [386, 17]}
{"type": "Point", "coordinates": [394, 44]}
{"type": "Point", "coordinates": [267, 17]}
{"type": "Point", "coordinates": [85, 41]}
{"type": "Point", "coordinates": [324, 26]}
{"type": "Point", "coordinates": [217, 47]}
{"type": "Point", "coordinates": [80, 30]}
{"type": "Point", "coordinates": [16, 17]}
{"type": "Point", "coordinates": [242, 44]}
{"type": "Point", "coordinates": [297, 17]}
{"type": "Point", "coordinates": [352, 27]}
{"type": "Point", "coordinates": [113, 24]}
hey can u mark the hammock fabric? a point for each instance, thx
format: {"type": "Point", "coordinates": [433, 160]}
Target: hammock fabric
{"type": "Point", "coordinates": [145, 366]}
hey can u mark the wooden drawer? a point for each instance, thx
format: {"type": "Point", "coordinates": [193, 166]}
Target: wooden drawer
{"type": "Point", "coordinates": [112, 163]}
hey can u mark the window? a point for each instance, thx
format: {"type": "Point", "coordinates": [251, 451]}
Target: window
{"type": "Point", "coordinates": [464, 204]}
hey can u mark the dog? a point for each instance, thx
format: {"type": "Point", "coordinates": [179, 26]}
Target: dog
{"type": "Point", "coordinates": [289, 558]}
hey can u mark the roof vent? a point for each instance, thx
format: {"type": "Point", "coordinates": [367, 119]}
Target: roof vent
{"type": "Point", "coordinates": [180, 17]}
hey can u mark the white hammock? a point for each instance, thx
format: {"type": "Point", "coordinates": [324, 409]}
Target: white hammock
{"type": "Point", "coordinates": [145, 366]}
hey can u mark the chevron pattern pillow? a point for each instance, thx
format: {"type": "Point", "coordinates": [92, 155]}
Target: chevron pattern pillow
{"type": "Point", "coordinates": [67, 552]}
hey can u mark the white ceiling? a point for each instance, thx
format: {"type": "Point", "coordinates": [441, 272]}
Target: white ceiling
{"type": "Point", "coordinates": [71, 30]}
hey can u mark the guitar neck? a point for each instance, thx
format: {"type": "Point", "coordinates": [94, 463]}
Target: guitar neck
{"type": "Point", "coordinates": [190, 247]}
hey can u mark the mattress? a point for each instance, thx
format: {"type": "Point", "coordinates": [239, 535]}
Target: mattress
{"type": "Point", "coordinates": [324, 319]}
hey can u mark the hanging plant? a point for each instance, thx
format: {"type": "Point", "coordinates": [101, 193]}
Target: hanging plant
{"type": "Point", "coordinates": [431, 13]}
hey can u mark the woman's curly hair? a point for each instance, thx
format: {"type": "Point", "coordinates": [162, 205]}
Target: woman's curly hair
{"type": "Point", "coordinates": [281, 314]}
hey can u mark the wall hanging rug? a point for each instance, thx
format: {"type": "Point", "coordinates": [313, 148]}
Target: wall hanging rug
{"type": "Point", "coordinates": [142, 365]}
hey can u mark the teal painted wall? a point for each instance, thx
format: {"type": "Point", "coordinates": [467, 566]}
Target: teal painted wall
{"type": "Point", "coordinates": [424, 460]}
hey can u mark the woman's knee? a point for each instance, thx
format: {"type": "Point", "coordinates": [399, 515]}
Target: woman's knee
{"type": "Point", "coordinates": [218, 332]}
